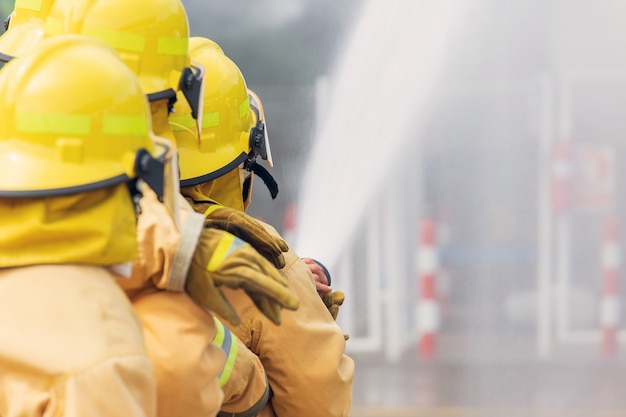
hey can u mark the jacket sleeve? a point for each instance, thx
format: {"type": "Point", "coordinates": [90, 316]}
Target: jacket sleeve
{"type": "Point", "coordinates": [242, 380]}
{"type": "Point", "coordinates": [165, 248]}
{"type": "Point", "coordinates": [304, 357]}
{"type": "Point", "coordinates": [178, 336]}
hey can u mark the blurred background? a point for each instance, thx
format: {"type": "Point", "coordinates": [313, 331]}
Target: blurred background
{"type": "Point", "coordinates": [457, 165]}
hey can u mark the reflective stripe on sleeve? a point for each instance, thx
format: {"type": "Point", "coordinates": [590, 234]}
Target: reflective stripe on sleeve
{"type": "Point", "coordinates": [225, 340]}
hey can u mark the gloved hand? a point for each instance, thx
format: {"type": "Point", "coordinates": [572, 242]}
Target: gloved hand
{"type": "Point", "coordinates": [333, 300]}
{"type": "Point", "coordinates": [244, 227]}
{"type": "Point", "coordinates": [221, 258]}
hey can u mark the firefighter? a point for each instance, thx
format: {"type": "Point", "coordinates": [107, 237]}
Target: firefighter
{"type": "Point", "coordinates": [152, 37]}
{"type": "Point", "coordinates": [304, 358]}
{"type": "Point", "coordinates": [177, 253]}
{"type": "Point", "coordinates": [71, 153]}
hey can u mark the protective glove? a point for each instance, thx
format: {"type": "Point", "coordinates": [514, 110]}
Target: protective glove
{"type": "Point", "coordinates": [221, 258]}
{"type": "Point", "coordinates": [244, 227]}
{"type": "Point", "coordinates": [333, 300]}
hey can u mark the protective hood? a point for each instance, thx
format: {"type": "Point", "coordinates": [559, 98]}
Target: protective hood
{"type": "Point", "coordinates": [96, 227]}
{"type": "Point", "coordinates": [226, 190]}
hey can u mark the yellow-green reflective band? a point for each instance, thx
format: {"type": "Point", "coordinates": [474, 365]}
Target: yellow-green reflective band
{"type": "Point", "coordinates": [210, 119]}
{"type": "Point", "coordinates": [219, 336]}
{"type": "Point", "coordinates": [226, 341]}
{"type": "Point", "coordinates": [211, 209]}
{"type": "Point", "coordinates": [29, 4]}
{"type": "Point", "coordinates": [181, 123]}
{"type": "Point", "coordinates": [227, 245]}
{"type": "Point", "coordinates": [229, 366]}
{"type": "Point", "coordinates": [118, 40]}
{"type": "Point", "coordinates": [53, 26]}
{"type": "Point", "coordinates": [187, 121]}
{"type": "Point", "coordinates": [173, 46]}
{"type": "Point", "coordinates": [124, 125]}
{"type": "Point", "coordinates": [221, 251]}
{"type": "Point", "coordinates": [68, 124]}
{"type": "Point", "coordinates": [244, 107]}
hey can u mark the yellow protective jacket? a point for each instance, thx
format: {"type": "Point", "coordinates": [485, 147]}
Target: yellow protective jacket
{"type": "Point", "coordinates": [197, 374]}
{"type": "Point", "coordinates": [304, 358]}
{"type": "Point", "coordinates": [70, 345]}
{"type": "Point", "coordinates": [68, 334]}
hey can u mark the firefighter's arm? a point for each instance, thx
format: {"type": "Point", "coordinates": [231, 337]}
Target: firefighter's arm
{"type": "Point", "coordinates": [165, 249]}
{"type": "Point", "coordinates": [242, 380]}
{"type": "Point", "coordinates": [316, 355]}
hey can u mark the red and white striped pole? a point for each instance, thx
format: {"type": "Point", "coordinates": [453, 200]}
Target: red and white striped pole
{"type": "Point", "coordinates": [427, 303]}
{"type": "Point", "coordinates": [610, 304]}
{"type": "Point", "coordinates": [289, 224]}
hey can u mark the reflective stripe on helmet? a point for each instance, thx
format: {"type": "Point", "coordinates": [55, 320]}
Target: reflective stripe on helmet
{"type": "Point", "coordinates": [69, 124]}
{"type": "Point", "coordinates": [77, 124]}
{"type": "Point", "coordinates": [124, 125]}
{"type": "Point", "coordinates": [212, 119]}
{"type": "Point", "coordinates": [119, 40]}
{"type": "Point", "coordinates": [186, 122]}
{"type": "Point", "coordinates": [173, 46]}
{"type": "Point", "coordinates": [244, 108]}
{"type": "Point", "coordinates": [124, 40]}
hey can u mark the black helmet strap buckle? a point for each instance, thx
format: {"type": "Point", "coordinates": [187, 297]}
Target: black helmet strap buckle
{"type": "Point", "coordinates": [191, 84]}
{"type": "Point", "coordinates": [257, 140]}
{"type": "Point", "coordinates": [169, 95]}
{"type": "Point", "coordinates": [151, 170]}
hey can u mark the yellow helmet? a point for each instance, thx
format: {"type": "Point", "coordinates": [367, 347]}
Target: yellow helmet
{"type": "Point", "coordinates": [233, 124]}
{"type": "Point", "coordinates": [151, 36]}
{"type": "Point", "coordinates": [74, 119]}
{"type": "Point", "coordinates": [24, 27]}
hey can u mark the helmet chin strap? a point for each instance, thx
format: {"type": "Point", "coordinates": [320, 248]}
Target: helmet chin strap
{"type": "Point", "coordinates": [264, 174]}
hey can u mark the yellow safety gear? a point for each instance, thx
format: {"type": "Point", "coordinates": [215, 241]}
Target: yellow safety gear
{"type": "Point", "coordinates": [233, 129]}
{"type": "Point", "coordinates": [226, 341]}
{"type": "Point", "coordinates": [71, 345]}
{"type": "Point", "coordinates": [152, 36]}
{"type": "Point", "coordinates": [233, 263]}
{"type": "Point", "coordinates": [332, 301]}
{"type": "Point", "coordinates": [25, 28]}
{"type": "Point", "coordinates": [304, 331]}
{"type": "Point", "coordinates": [74, 119]}
{"type": "Point", "coordinates": [226, 189]}
{"type": "Point", "coordinates": [245, 227]}
{"type": "Point", "coordinates": [50, 227]}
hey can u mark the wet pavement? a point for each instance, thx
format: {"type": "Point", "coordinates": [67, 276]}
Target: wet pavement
{"type": "Point", "coordinates": [575, 381]}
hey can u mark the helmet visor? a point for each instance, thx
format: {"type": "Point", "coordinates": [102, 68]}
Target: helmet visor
{"type": "Point", "coordinates": [260, 140]}
{"type": "Point", "coordinates": [166, 153]}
